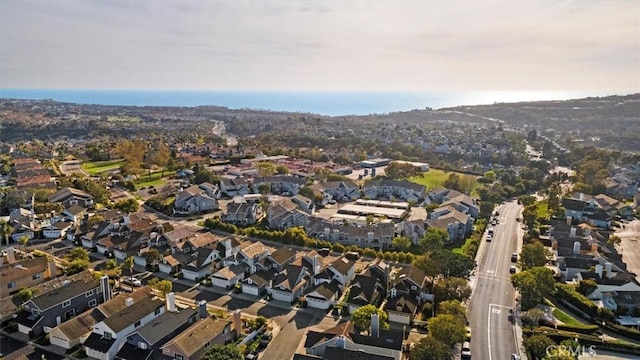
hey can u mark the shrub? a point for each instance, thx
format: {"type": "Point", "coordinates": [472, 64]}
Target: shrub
{"type": "Point", "coordinates": [568, 293]}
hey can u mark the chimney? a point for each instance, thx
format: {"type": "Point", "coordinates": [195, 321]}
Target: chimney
{"type": "Point", "coordinates": [202, 310]}
{"type": "Point", "coordinates": [594, 247]}
{"type": "Point", "coordinates": [171, 302]}
{"type": "Point", "coordinates": [52, 269]}
{"type": "Point", "coordinates": [581, 196]}
{"type": "Point", "coordinates": [237, 322]}
{"type": "Point", "coordinates": [126, 220]}
{"type": "Point", "coordinates": [327, 233]}
{"type": "Point", "coordinates": [375, 325]}
{"type": "Point", "coordinates": [608, 268]}
{"type": "Point", "coordinates": [587, 232]}
{"type": "Point", "coordinates": [554, 245]}
{"type": "Point", "coordinates": [572, 232]}
{"type": "Point", "coordinates": [11, 255]}
{"type": "Point", "coordinates": [569, 220]}
{"type": "Point", "coordinates": [341, 342]}
{"type": "Point", "coordinates": [576, 247]}
{"type": "Point", "coordinates": [599, 270]}
{"type": "Point", "coordinates": [316, 264]}
{"type": "Point", "coordinates": [106, 288]}
{"type": "Point", "coordinates": [128, 302]}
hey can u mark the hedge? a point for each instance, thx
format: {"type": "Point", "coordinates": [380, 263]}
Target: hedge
{"type": "Point", "coordinates": [623, 330]}
{"type": "Point", "coordinates": [568, 292]}
{"type": "Point", "coordinates": [583, 329]}
{"type": "Point", "coordinates": [584, 339]}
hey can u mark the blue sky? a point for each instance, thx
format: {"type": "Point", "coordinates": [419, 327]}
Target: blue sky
{"type": "Point", "coordinates": [589, 46]}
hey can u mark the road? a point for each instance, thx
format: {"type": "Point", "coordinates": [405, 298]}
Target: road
{"type": "Point", "coordinates": [493, 334]}
{"type": "Point", "coordinates": [629, 247]}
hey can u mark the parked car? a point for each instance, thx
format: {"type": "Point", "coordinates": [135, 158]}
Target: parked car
{"type": "Point", "coordinates": [514, 257]}
{"type": "Point", "coordinates": [132, 281]}
{"type": "Point", "coordinates": [513, 269]}
{"type": "Point", "coordinates": [489, 237]}
{"type": "Point", "coordinates": [465, 354]}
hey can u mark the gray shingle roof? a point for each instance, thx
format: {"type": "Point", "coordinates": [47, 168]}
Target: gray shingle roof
{"type": "Point", "coordinates": [133, 313]}
{"type": "Point", "coordinates": [165, 324]}
{"type": "Point", "coordinates": [64, 292]}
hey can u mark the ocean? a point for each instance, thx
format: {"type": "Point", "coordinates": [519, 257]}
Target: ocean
{"type": "Point", "coordinates": [331, 103]}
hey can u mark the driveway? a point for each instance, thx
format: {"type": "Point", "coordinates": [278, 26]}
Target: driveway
{"type": "Point", "coordinates": [629, 248]}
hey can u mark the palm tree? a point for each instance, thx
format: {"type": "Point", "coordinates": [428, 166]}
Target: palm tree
{"type": "Point", "coordinates": [24, 241]}
{"type": "Point", "coordinates": [128, 263]}
{"type": "Point", "coordinates": [5, 230]}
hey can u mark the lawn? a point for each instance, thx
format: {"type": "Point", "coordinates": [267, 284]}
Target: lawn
{"type": "Point", "coordinates": [434, 178]}
{"type": "Point", "coordinates": [542, 210]}
{"type": "Point", "coordinates": [566, 318]}
{"type": "Point", "coordinates": [97, 167]}
{"type": "Point", "coordinates": [154, 179]}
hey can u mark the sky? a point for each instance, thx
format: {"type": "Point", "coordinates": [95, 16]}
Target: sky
{"type": "Point", "coordinates": [588, 46]}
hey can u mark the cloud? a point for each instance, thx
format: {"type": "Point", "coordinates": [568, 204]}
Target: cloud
{"type": "Point", "coordinates": [337, 45]}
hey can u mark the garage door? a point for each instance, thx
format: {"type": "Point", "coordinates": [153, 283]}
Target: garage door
{"type": "Point", "coordinates": [251, 290]}
{"type": "Point", "coordinates": [317, 303]}
{"type": "Point", "coordinates": [282, 295]}
{"type": "Point", "coordinates": [216, 281]}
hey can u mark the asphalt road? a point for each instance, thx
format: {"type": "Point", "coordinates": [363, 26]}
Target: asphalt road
{"type": "Point", "coordinates": [630, 246]}
{"type": "Point", "coordinates": [492, 331]}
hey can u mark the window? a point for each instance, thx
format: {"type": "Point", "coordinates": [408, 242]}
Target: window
{"type": "Point", "coordinates": [69, 314]}
{"type": "Point", "coordinates": [207, 345]}
{"type": "Point", "coordinates": [35, 277]}
{"type": "Point", "coordinates": [93, 303]}
{"type": "Point", "coordinates": [178, 356]}
{"type": "Point", "coordinates": [413, 287]}
{"type": "Point", "coordinates": [142, 345]}
{"type": "Point", "coordinates": [137, 323]}
{"type": "Point", "coordinates": [89, 293]}
{"type": "Point", "coordinates": [66, 303]}
{"type": "Point", "coordinates": [11, 285]}
{"type": "Point", "coordinates": [107, 335]}
{"type": "Point", "coordinates": [35, 312]}
{"type": "Point", "coordinates": [157, 312]}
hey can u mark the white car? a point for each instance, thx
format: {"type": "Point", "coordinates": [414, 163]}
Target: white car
{"type": "Point", "coordinates": [132, 281]}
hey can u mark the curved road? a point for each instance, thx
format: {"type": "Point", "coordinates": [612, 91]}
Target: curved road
{"type": "Point", "coordinates": [493, 334]}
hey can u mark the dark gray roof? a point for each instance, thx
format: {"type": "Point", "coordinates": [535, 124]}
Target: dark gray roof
{"type": "Point", "coordinates": [281, 255]}
{"type": "Point", "coordinates": [327, 289]}
{"type": "Point", "coordinates": [98, 343]}
{"type": "Point", "coordinates": [343, 265]}
{"type": "Point", "coordinates": [366, 290]}
{"type": "Point", "coordinates": [336, 353]}
{"type": "Point", "coordinates": [132, 352]}
{"type": "Point", "coordinates": [388, 339]}
{"type": "Point", "coordinates": [405, 303]}
{"type": "Point", "coordinates": [133, 313]}
{"type": "Point", "coordinates": [165, 324]}
{"type": "Point", "coordinates": [64, 292]}
{"type": "Point", "coordinates": [261, 278]}
{"type": "Point", "coordinates": [306, 357]}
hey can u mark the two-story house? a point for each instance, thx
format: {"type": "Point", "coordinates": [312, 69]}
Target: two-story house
{"type": "Point", "coordinates": [69, 196]}
{"type": "Point", "coordinates": [234, 187]}
{"type": "Point", "coordinates": [59, 303]}
{"type": "Point", "coordinates": [192, 200]}
{"type": "Point", "coordinates": [25, 273]}
{"type": "Point", "coordinates": [242, 214]}
{"type": "Point", "coordinates": [279, 184]}
{"type": "Point", "coordinates": [290, 283]}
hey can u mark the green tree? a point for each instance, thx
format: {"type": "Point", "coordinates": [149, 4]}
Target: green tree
{"type": "Point", "coordinates": [453, 307]}
{"type": "Point", "coordinates": [282, 169]}
{"type": "Point", "coordinates": [23, 241]}
{"type": "Point", "coordinates": [447, 329]}
{"type": "Point", "coordinates": [78, 253]}
{"type": "Point", "coordinates": [223, 352]}
{"type": "Point", "coordinates": [164, 286]}
{"type": "Point", "coordinates": [401, 243]}
{"type": "Point", "coordinates": [586, 287]}
{"type": "Point", "coordinates": [433, 239]}
{"type": "Point", "coordinates": [25, 294]}
{"type": "Point", "coordinates": [264, 188]}
{"type": "Point", "coordinates": [537, 345]}
{"type": "Point", "coordinates": [533, 284]}
{"type": "Point", "coordinates": [452, 288]}
{"type": "Point", "coordinates": [452, 264]}
{"type": "Point", "coordinates": [533, 255]}
{"type": "Point", "coordinates": [265, 168]}
{"type": "Point", "coordinates": [532, 317]}
{"type": "Point", "coordinates": [152, 257]}
{"type": "Point", "coordinates": [430, 348]}
{"type": "Point", "coordinates": [5, 231]}
{"type": "Point", "coordinates": [128, 264]}
{"type": "Point", "coordinates": [361, 318]}
{"type": "Point", "coordinates": [127, 206]}
{"type": "Point", "coordinates": [614, 240]}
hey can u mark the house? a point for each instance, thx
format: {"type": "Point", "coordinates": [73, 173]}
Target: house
{"type": "Point", "coordinates": [200, 265]}
{"type": "Point", "coordinates": [61, 302]}
{"type": "Point", "coordinates": [465, 204]}
{"type": "Point", "coordinates": [412, 229]}
{"type": "Point", "coordinates": [75, 331]}
{"type": "Point", "coordinates": [455, 224]}
{"type": "Point", "coordinates": [109, 335]}
{"type": "Point", "coordinates": [69, 196]}
{"type": "Point", "coordinates": [342, 340]}
{"type": "Point", "coordinates": [304, 203]}
{"type": "Point", "coordinates": [26, 273]}
{"type": "Point", "coordinates": [343, 271]}
{"type": "Point", "coordinates": [376, 236]}
{"type": "Point", "coordinates": [385, 188]}
{"type": "Point", "coordinates": [193, 200]}
{"type": "Point", "coordinates": [278, 259]}
{"type": "Point", "coordinates": [75, 214]}
{"type": "Point", "coordinates": [401, 308]}
{"type": "Point", "coordinates": [252, 255]}
{"type": "Point", "coordinates": [324, 295]}
{"type": "Point", "coordinates": [193, 343]}
{"type": "Point", "coordinates": [145, 342]}
{"type": "Point", "coordinates": [259, 282]}
{"type": "Point", "coordinates": [622, 302]}
{"type": "Point", "coordinates": [56, 230]}
{"type": "Point", "coordinates": [285, 214]}
{"type": "Point", "coordinates": [279, 184]}
{"type": "Point", "coordinates": [234, 187]}
{"type": "Point", "coordinates": [339, 190]}
{"type": "Point", "coordinates": [290, 283]}
{"type": "Point", "coordinates": [211, 190]}
{"type": "Point", "coordinates": [229, 276]}
{"type": "Point", "coordinates": [242, 214]}
{"type": "Point", "coordinates": [367, 288]}
{"type": "Point", "coordinates": [90, 239]}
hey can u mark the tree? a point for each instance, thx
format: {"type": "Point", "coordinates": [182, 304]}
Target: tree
{"type": "Point", "coordinates": [453, 264]}
{"type": "Point", "coordinates": [223, 352]}
{"type": "Point", "coordinates": [533, 284]}
{"type": "Point", "coordinates": [447, 329]}
{"type": "Point", "coordinates": [537, 345]}
{"type": "Point", "coordinates": [453, 307]}
{"type": "Point", "coordinates": [265, 168]}
{"type": "Point", "coordinates": [361, 318]}
{"type": "Point", "coordinates": [452, 288]}
{"type": "Point", "coordinates": [164, 286]}
{"type": "Point", "coordinates": [264, 188]}
{"type": "Point", "coordinates": [78, 253]}
{"type": "Point", "coordinates": [614, 240]}
{"type": "Point", "coordinates": [25, 294]}
{"type": "Point", "coordinates": [152, 257]}
{"type": "Point", "coordinates": [433, 239]}
{"type": "Point", "coordinates": [128, 263]}
{"type": "Point", "coordinates": [397, 171]}
{"type": "Point", "coordinates": [401, 243]}
{"type": "Point", "coordinates": [5, 230]}
{"type": "Point", "coordinates": [533, 255]}
{"type": "Point", "coordinates": [128, 206]}
{"type": "Point", "coordinates": [282, 169]}
{"type": "Point", "coordinates": [586, 287]}
{"type": "Point", "coordinates": [160, 156]}
{"type": "Point", "coordinates": [95, 219]}
{"type": "Point", "coordinates": [430, 348]}
{"type": "Point", "coordinates": [23, 241]}
{"type": "Point", "coordinates": [532, 317]}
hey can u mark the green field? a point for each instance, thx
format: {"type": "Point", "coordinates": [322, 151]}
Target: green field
{"type": "Point", "coordinates": [434, 178]}
{"type": "Point", "coordinates": [154, 179]}
{"type": "Point", "coordinates": [97, 167]}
